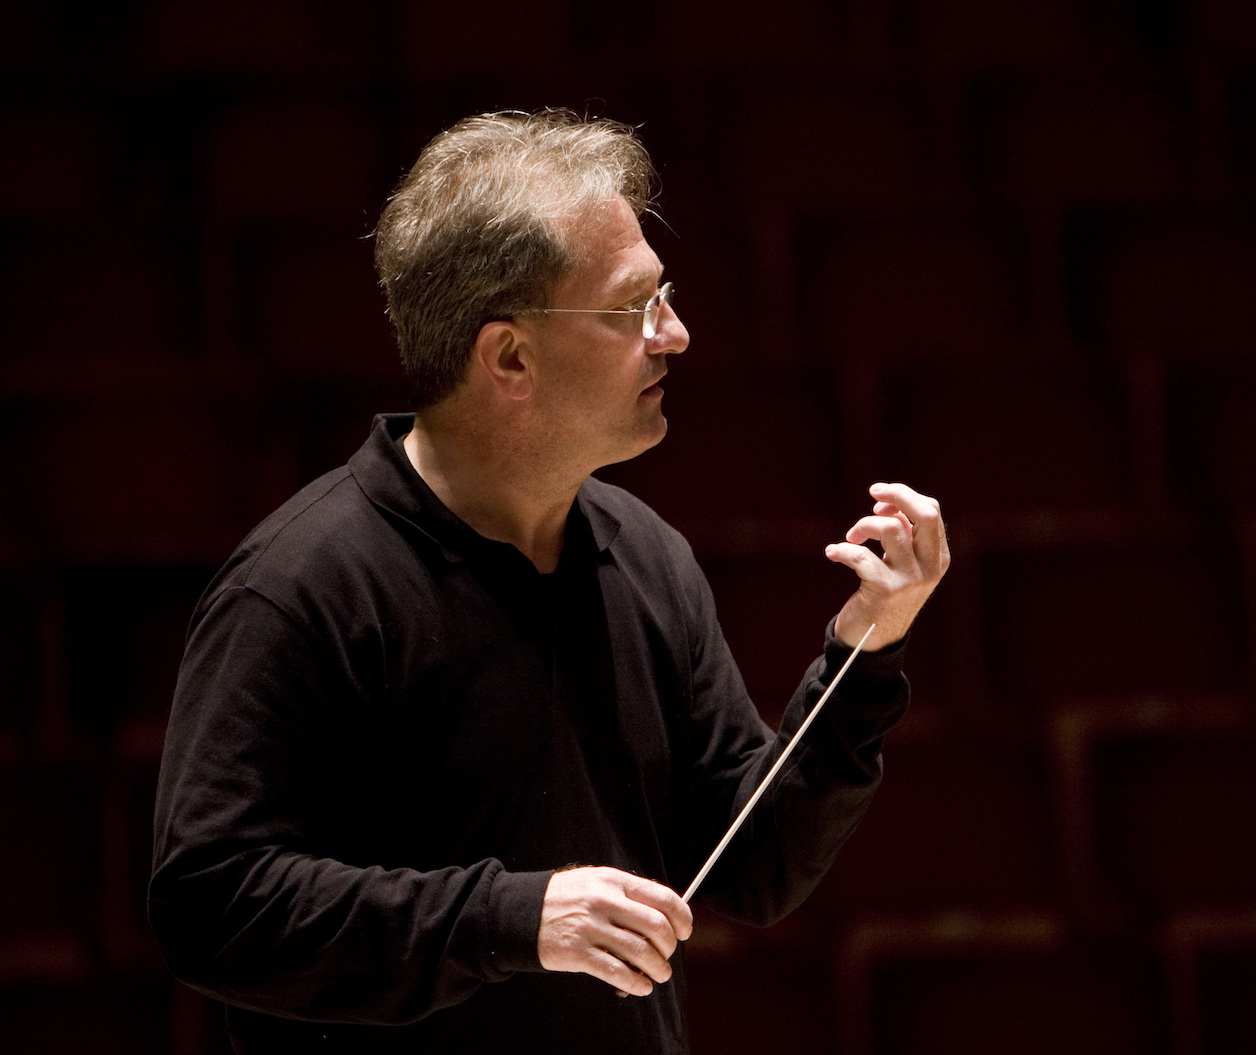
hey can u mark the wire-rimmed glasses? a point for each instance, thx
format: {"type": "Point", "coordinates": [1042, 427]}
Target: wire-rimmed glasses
{"type": "Point", "coordinates": [649, 313]}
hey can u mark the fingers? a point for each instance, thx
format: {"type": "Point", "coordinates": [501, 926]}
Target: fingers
{"type": "Point", "coordinates": [644, 934]}
{"type": "Point", "coordinates": [665, 900]}
{"type": "Point", "coordinates": [895, 533]}
{"type": "Point", "coordinates": [611, 925]}
{"type": "Point", "coordinates": [892, 586]}
{"type": "Point", "coordinates": [870, 568]}
{"type": "Point", "coordinates": [925, 516]}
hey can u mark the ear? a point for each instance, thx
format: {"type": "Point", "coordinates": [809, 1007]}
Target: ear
{"type": "Point", "coordinates": [503, 354]}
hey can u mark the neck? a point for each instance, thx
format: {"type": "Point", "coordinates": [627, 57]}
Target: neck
{"type": "Point", "coordinates": [492, 484]}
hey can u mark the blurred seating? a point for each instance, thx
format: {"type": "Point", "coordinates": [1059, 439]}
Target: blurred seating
{"type": "Point", "coordinates": [125, 1014]}
{"type": "Point", "coordinates": [287, 161]}
{"type": "Point", "coordinates": [956, 37]}
{"type": "Point", "coordinates": [132, 459]}
{"type": "Point", "coordinates": [48, 897]}
{"type": "Point", "coordinates": [958, 821]}
{"type": "Point", "coordinates": [1210, 955]}
{"type": "Point", "coordinates": [990, 982]}
{"type": "Point", "coordinates": [1093, 142]}
{"type": "Point", "coordinates": [286, 37]}
{"type": "Point", "coordinates": [1007, 434]}
{"type": "Point", "coordinates": [1102, 615]}
{"type": "Point", "coordinates": [1132, 773]}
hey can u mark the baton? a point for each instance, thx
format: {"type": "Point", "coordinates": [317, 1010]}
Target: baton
{"type": "Point", "coordinates": [728, 837]}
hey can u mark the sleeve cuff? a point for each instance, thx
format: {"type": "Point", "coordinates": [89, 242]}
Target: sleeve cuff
{"type": "Point", "coordinates": [870, 668]}
{"type": "Point", "coordinates": [515, 920]}
{"type": "Point", "coordinates": [872, 698]}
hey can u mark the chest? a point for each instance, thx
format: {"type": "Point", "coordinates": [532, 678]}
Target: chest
{"type": "Point", "coordinates": [536, 726]}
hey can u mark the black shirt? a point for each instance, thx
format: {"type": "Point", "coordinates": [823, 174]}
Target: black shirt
{"type": "Point", "coordinates": [388, 731]}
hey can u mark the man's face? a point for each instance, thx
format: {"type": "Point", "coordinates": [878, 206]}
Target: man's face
{"type": "Point", "coordinates": [597, 391]}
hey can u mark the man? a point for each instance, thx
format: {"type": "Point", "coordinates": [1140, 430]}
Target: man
{"type": "Point", "coordinates": [457, 721]}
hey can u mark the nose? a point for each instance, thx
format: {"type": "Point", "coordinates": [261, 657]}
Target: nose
{"type": "Point", "coordinates": [671, 337]}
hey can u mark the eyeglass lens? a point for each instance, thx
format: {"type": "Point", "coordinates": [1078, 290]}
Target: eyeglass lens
{"type": "Point", "coordinates": [653, 308]}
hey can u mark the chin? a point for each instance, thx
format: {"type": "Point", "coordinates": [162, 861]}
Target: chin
{"type": "Point", "coordinates": [652, 435]}
{"type": "Point", "coordinates": [645, 438]}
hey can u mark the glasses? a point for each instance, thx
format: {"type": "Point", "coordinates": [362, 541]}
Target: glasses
{"type": "Point", "coordinates": [649, 314]}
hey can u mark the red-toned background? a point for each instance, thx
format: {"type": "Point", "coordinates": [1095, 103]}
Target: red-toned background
{"type": "Point", "coordinates": [1003, 251]}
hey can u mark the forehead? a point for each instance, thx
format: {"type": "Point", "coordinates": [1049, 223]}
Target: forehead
{"type": "Point", "coordinates": [612, 255]}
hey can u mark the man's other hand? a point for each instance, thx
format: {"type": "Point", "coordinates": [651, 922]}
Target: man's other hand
{"type": "Point", "coordinates": [615, 926]}
{"type": "Point", "coordinates": [893, 585]}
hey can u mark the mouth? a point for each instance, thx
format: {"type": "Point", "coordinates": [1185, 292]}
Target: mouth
{"type": "Point", "coordinates": [654, 388]}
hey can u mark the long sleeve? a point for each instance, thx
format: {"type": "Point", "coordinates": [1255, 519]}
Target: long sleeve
{"type": "Point", "coordinates": [245, 902]}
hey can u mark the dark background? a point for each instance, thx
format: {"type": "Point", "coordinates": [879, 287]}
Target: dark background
{"type": "Point", "coordinates": [1003, 251]}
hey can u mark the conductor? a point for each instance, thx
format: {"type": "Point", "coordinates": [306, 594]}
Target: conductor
{"type": "Point", "coordinates": [455, 723]}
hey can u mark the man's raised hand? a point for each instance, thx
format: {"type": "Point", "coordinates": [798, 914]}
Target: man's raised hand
{"type": "Point", "coordinates": [893, 585]}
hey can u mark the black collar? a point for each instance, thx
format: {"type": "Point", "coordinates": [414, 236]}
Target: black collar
{"type": "Point", "coordinates": [387, 478]}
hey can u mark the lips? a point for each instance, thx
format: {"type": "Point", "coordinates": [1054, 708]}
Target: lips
{"type": "Point", "coordinates": [654, 383]}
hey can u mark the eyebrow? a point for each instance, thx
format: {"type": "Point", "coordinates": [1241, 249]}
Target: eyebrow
{"type": "Point", "coordinates": [635, 281]}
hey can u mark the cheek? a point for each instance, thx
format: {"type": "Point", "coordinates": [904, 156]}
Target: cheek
{"type": "Point", "coordinates": [601, 378]}
{"type": "Point", "coordinates": [592, 375]}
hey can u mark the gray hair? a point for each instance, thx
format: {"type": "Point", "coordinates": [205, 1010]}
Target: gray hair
{"type": "Point", "coordinates": [480, 228]}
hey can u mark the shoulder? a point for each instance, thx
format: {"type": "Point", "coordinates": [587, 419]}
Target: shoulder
{"type": "Point", "coordinates": [309, 527]}
{"type": "Point", "coordinates": [321, 541]}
